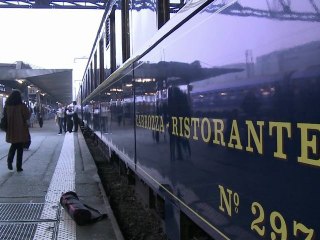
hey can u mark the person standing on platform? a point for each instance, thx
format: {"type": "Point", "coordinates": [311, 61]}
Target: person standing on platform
{"type": "Point", "coordinates": [38, 110]}
{"type": "Point", "coordinates": [60, 118]}
{"type": "Point", "coordinates": [69, 116]}
{"type": "Point", "coordinates": [32, 117]}
{"type": "Point", "coordinates": [65, 118]}
{"type": "Point", "coordinates": [17, 132]}
{"type": "Point", "coordinates": [76, 110]}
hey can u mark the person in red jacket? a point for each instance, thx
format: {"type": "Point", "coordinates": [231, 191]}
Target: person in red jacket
{"type": "Point", "coordinates": [17, 132]}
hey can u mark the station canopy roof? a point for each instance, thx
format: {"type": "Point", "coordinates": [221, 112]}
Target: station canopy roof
{"type": "Point", "coordinates": [56, 83]}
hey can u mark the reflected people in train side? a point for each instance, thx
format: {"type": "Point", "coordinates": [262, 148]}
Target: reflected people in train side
{"type": "Point", "coordinates": [39, 112]}
{"type": "Point", "coordinates": [178, 105]}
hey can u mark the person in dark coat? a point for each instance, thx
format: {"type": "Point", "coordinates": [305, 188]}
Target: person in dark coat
{"type": "Point", "coordinates": [76, 111]}
{"type": "Point", "coordinates": [18, 132]}
{"type": "Point", "coordinates": [65, 119]}
{"type": "Point", "coordinates": [69, 114]}
{"type": "Point", "coordinates": [39, 111]}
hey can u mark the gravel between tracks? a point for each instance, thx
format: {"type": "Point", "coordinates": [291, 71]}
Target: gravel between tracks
{"type": "Point", "coordinates": [135, 221]}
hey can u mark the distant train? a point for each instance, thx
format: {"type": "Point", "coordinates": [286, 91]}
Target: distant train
{"type": "Point", "coordinates": [214, 108]}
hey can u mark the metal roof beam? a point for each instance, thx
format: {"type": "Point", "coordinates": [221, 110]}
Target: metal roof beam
{"type": "Point", "coordinates": [78, 4]}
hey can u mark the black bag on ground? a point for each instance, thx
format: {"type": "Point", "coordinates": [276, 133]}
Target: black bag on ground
{"type": "Point", "coordinates": [3, 122]}
{"type": "Point", "coordinates": [81, 213]}
{"type": "Point", "coordinates": [26, 145]}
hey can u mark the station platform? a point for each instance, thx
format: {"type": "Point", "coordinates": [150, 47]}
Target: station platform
{"type": "Point", "coordinates": [29, 200]}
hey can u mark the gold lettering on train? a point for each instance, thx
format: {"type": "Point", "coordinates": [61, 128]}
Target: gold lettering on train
{"type": "Point", "coordinates": [234, 140]}
{"type": "Point", "coordinates": [195, 122]}
{"type": "Point", "coordinates": [174, 126]}
{"type": "Point", "coordinates": [187, 127]}
{"type": "Point", "coordinates": [309, 142]}
{"type": "Point", "coordinates": [205, 130]}
{"type": "Point", "coordinates": [280, 127]}
{"type": "Point", "coordinates": [258, 140]}
{"type": "Point", "coordinates": [161, 124]}
{"type": "Point", "coordinates": [153, 127]}
{"type": "Point", "coordinates": [244, 136]}
{"type": "Point", "coordinates": [225, 202]}
{"type": "Point", "coordinates": [181, 126]}
{"type": "Point", "coordinates": [218, 132]}
{"type": "Point", "coordinates": [151, 122]}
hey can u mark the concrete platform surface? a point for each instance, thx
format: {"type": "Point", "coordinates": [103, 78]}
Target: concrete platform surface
{"type": "Point", "coordinates": [29, 200]}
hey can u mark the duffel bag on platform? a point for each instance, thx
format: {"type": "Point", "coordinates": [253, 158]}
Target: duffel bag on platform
{"type": "Point", "coordinates": [4, 121]}
{"type": "Point", "coordinates": [81, 213]}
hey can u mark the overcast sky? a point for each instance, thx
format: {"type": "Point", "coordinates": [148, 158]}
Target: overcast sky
{"type": "Point", "coordinates": [47, 38]}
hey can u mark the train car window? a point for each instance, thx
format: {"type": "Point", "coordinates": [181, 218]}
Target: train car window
{"type": "Point", "coordinates": [125, 30]}
{"type": "Point", "coordinates": [91, 82]}
{"type": "Point", "coordinates": [108, 46]}
{"type": "Point", "coordinates": [101, 62]}
{"type": "Point", "coordinates": [107, 32]}
{"type": "Point", "coordinates": [85, 83]}
{"type": "Point", "coordinates": [143, 23]}
{"type": "Point", "coordinates": [88, 83]}
{"type": "Point", "coordinates": [163, 12]}
{"type": "Point", "coordinates": [83, 86]}
{"type": "Point", "coordinates": [95, 70]}
{"type": "Point", "coordinates": [113, 44]}
{"type": "Point", "coordinates": [167, 9]}
{"type": "Point", "coordinates": [118, 34]}
{"type": "Point", "coordinates": [99, 80]}
{"type": "Point", "coordinates": [81, 93]}
{"type": "Point", "coordinates": [107, 62]}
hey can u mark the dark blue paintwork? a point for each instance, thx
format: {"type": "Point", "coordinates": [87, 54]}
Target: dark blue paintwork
{"type": "Point", "coordinates": [249, 62]}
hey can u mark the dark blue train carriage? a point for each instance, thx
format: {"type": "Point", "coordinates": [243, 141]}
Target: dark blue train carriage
{"type": "Point", "coordinates": [213, 107]}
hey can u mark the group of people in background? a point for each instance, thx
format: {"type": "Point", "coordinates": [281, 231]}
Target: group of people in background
{"type": "Point", "coordinates": [39, 113]}
{"type": "Point", "coordinates": [67, 117]}
{"type": "Point", "coordinates": [18, 118]}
